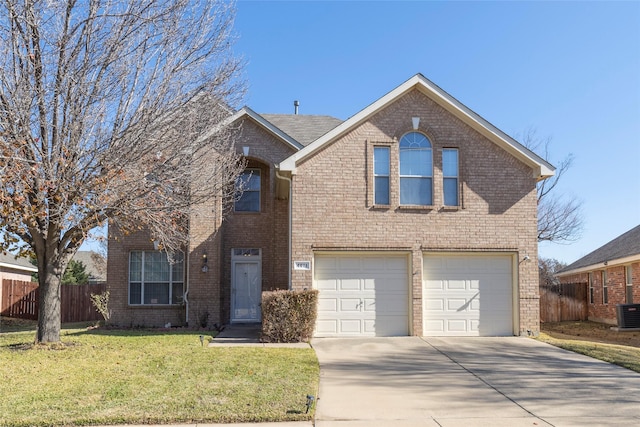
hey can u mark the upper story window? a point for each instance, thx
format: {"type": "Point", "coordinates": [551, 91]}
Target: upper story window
{"type": "Point", "coordinates": [416, 170]}
{"type": "Point", "coordinates": [381, 171]}
{"type": "Point", "coordinates": [248, 184]}
{"type": "Point", "coordinates": [154, 280]}
{"type": "Point", "coordinates": [450, 176]}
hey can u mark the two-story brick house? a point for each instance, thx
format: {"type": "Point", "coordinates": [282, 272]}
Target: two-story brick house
{"type": "Point", "coordinates": [413, 217]}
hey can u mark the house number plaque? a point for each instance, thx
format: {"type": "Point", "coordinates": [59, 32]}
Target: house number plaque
{"type": "Point", "coordinates": [302, 265]}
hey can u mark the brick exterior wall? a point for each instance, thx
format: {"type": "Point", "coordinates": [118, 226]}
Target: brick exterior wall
{"type": "Point", "coordinates": [209, 293]}
{"type": "Point", "coordinates": [266, 230]}
{"type": "Point", "coordinates": [333, 210]}
{"type": "Point", "coordinates": [616, 289]}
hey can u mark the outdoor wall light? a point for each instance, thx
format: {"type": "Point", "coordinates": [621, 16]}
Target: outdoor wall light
{"type": "Point", "coordinates": [205, 267]}
{"type": "Point", "coordinates": [245, 151]}
{"type": "Point", "coordinates": [310, 399]}
{"type": "Point", "coordinates": [416, 122]}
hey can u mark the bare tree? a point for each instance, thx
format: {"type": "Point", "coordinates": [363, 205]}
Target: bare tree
{"type": "Point", "coordinates": [560, 218]}
{"type": "Point", "coordinates": [103, 108]}
{"type": "Point", "coordinates": [547, 267]}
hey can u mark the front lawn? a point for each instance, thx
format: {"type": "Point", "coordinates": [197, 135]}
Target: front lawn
{"type": "Point", "coordinates": [148, 376]}
{"type": "Point", "coordinates": [596, 340]}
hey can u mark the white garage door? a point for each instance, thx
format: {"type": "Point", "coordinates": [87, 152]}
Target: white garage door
{"type": "Point", "coordinates": [468, 295]}
{"type": "Point", "coordinates": [362, 295]}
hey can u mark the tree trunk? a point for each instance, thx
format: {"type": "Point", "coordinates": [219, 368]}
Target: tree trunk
{"type": "Point", "coordinates": [50, 268]}
{"type": "Point", "coordinates": [49, 316]}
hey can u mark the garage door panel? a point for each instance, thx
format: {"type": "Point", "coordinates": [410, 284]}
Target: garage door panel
{"type": "Point", "coordinates": [350, 305]}
{"type": "Point", "coordinates": [434, 284]}
{"type": "Point", "coordinates": [329, 285]}
{"type": "Point", "coordinates": [328, 304]}
{"type": "Point", "coordinates": [468, 294]}
{"type": "Point", "coordinates": [371, 294]}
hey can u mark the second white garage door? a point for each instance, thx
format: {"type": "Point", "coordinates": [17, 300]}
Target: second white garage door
{"type": "Point", "coordinates": [362, 295]}
{"type": "Point", "coordinates": [468, 295]}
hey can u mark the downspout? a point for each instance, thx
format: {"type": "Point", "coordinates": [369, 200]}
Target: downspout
{"type": "Point", "coordinates": [186, 291]}
{"type": "Point", "coordinates": [290, 223]}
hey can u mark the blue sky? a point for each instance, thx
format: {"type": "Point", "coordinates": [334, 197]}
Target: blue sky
{"type": "Point", "coordinates": [571, 70]}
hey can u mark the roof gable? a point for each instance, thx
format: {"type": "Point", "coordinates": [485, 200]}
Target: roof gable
{"type": "Point", "coordinates": [246, 112]}
{"type": "Point", "coordinates": [541, 167]}
{"type": "Point", "coordinates": [625, 246]}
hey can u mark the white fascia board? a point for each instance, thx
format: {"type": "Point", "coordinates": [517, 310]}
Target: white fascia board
{"type": "Point", "coordinates": [19, 267]}
{"type": "Point", "coordinates": [248, 112]}
{"type": "Point", "coordinates": [601, 265]}
{"type": "Point", "coordinates": [542, 168]}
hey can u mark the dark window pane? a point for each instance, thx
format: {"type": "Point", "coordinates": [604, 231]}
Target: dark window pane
{"type": "Point", "coordinates": [415, 191]}
{"type": "Point", "coordinates": [135, 293]}
{"type": "Point", "coordinates": [176, 296]}
{"type": "Point", "coordinates": [381, 190]}
{"type": "Point", "coordinates": [248, 202]}
{"type": "Point", "coordinates": [156, 293]}
{"type": "Point", "coordinates": [450, 191]}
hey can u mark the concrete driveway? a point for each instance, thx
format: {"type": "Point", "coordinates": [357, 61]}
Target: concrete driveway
{"type": "Point", "coordinates": [510, 381]}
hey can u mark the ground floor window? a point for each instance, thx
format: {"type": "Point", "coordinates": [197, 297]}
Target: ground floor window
{"type": "Point", "coordinates": [153, 280]}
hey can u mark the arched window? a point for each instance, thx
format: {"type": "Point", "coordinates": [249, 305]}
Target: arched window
{"type": "Point", "coordinates": [416, 170]}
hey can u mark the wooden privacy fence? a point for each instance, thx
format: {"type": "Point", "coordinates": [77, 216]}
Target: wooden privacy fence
{"type": "Point", "coordinates": [566, 301]}
{"type": "Point", "coordinates": [20, 299]}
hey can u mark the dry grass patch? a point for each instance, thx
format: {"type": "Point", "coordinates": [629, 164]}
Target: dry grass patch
{"type": "Point", "coordinates": [596, 340]}
{"type": "Point", "coordinates": [149, 376]}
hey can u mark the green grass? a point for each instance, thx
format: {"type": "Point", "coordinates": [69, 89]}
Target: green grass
{"type": "Point", "coordinates": [621, 355]}
{"type": "Point", "coordinates": [147, 376]}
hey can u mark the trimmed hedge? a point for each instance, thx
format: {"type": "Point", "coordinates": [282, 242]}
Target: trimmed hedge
{"type": "Point", "coordinates": [289, 316]}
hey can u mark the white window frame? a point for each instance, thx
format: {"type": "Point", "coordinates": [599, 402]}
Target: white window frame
{"type": "Point", "coordinates": [605, 287]}
{"type": "Point", "coordinates": [142, 281]}
{"type": "Point", "coordinates": [427, 177]}
{"type": "Point", "coordinates": [378, 175]}
{"type": "Point", "coordinates": [455, 177]}
{"type": "Point", "coordinates": [252, 172]}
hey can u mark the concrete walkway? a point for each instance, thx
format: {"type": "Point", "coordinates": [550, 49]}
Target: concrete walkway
{"type": "Point", "coordinates": [511, 381]}
{"type": "Point", "coordinates": [246, 335]}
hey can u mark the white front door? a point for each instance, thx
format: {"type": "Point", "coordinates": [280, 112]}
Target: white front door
{"type": "Point", "coordinates": [246, 291]}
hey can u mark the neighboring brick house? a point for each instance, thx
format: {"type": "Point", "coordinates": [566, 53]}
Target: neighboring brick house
{"type": "Point", "coordinates": [612, 274]}
{"type": "Point", "coordinates": [413, 217]}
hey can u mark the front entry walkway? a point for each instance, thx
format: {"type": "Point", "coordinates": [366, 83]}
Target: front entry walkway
{"type": "Point", "coordinates": [507, 381]}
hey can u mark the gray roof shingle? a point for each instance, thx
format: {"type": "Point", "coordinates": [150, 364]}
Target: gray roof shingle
{"type": "Point", "coordinates": [625, 245]}
{"type": "Point", "coordinates": [18, 262]}
{"type": "Point", "coordinates": [303, 128]}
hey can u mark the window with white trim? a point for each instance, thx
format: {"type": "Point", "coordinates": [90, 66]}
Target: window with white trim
{"type": "Point", "coordinates": [416, 170]}
{"type": "Point", "coordinates": [605, 288]}
{"type": "Point", "coordinates": [381, 171]}
{"type": "Point", "coordinates": [629, 282]}
{"type": "Point", "coordinates": [450, 176]}
{"type": "Point", "coordinates": [248, 191]}
{"type": "Point", "coordinates": [153, 280]}
{"type": "Point", "coordinates": [591, 289]}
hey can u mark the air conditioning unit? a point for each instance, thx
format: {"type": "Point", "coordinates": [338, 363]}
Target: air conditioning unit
{"type": "Point", "coordinates": [628, 315]}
